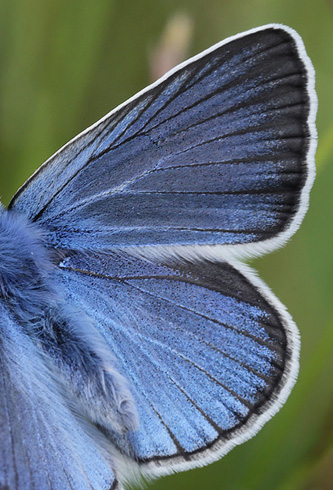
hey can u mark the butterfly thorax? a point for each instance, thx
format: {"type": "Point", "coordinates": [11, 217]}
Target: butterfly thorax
{"type": "Point", "coordinates": [31, 291]}
{"type": "Point", "coordinates": [25, 266]}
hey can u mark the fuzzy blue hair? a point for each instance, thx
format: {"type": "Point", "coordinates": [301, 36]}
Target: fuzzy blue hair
{"type": "Point", "coordinates": [68, 337]}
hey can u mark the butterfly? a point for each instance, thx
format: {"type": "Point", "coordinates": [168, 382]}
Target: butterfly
{"type": "Point", "coordinates": [134, 341]}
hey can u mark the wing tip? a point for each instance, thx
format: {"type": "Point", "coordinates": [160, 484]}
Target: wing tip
{"type": "Point", "coordinates": [259, 248]}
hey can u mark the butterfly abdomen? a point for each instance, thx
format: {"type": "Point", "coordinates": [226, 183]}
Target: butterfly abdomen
{"type": "Point", "coordinates": [68, 338]}
{"type": "Point", "coordinates": [87, 365]}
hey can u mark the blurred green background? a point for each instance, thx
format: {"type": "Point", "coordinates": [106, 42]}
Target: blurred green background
{"type": "Point", "coordinates": [64, 64]}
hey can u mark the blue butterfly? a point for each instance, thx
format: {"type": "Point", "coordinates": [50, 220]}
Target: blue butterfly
{"type": "Point", "coordinates": [133, 339]}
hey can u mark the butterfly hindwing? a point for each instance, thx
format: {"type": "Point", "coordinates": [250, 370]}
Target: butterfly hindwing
{"type": "Point", "coordinates": [210, 358]}
{"type": "Point", "coordinates": [216, 152]}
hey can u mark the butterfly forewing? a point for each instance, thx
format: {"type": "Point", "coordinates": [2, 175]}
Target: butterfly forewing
{"type": "Point", "coordinates": [214, 153]}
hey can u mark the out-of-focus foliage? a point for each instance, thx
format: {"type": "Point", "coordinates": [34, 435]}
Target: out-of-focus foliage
{"type": "Point", "coordinates": [64, 64]}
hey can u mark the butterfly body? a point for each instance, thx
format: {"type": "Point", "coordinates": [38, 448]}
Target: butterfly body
{"type": "Point", "coordinates": [133, 340]}
{"type": "Point", "coordinates": [25, 264]}
{"type": "Point", "coordinates": [68, 338]}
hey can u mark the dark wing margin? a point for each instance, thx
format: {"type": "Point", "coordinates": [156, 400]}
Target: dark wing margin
{"type": "Point", "coordinates": [210, 352]}
{"type": "Point", "coordinates": [218, 151]}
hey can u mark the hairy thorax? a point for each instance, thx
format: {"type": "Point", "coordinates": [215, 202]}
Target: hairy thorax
{"type": "Point", "coordinates": [25, 266]}
{"type": "Point", "coordinates": [31, 290]}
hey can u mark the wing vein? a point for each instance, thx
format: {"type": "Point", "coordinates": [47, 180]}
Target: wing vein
{"type": "Point", "coordinates": [224, 325]}
{"type": "Point", "coordinates": [254, 100]}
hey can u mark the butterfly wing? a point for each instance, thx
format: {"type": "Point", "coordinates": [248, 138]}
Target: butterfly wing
{"type": "Point", "coordinates": [43, 445]}
{"type": "Point", "coordinates": [219, 151]}
{"type": "Point", "coordinates": [210, 353]}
